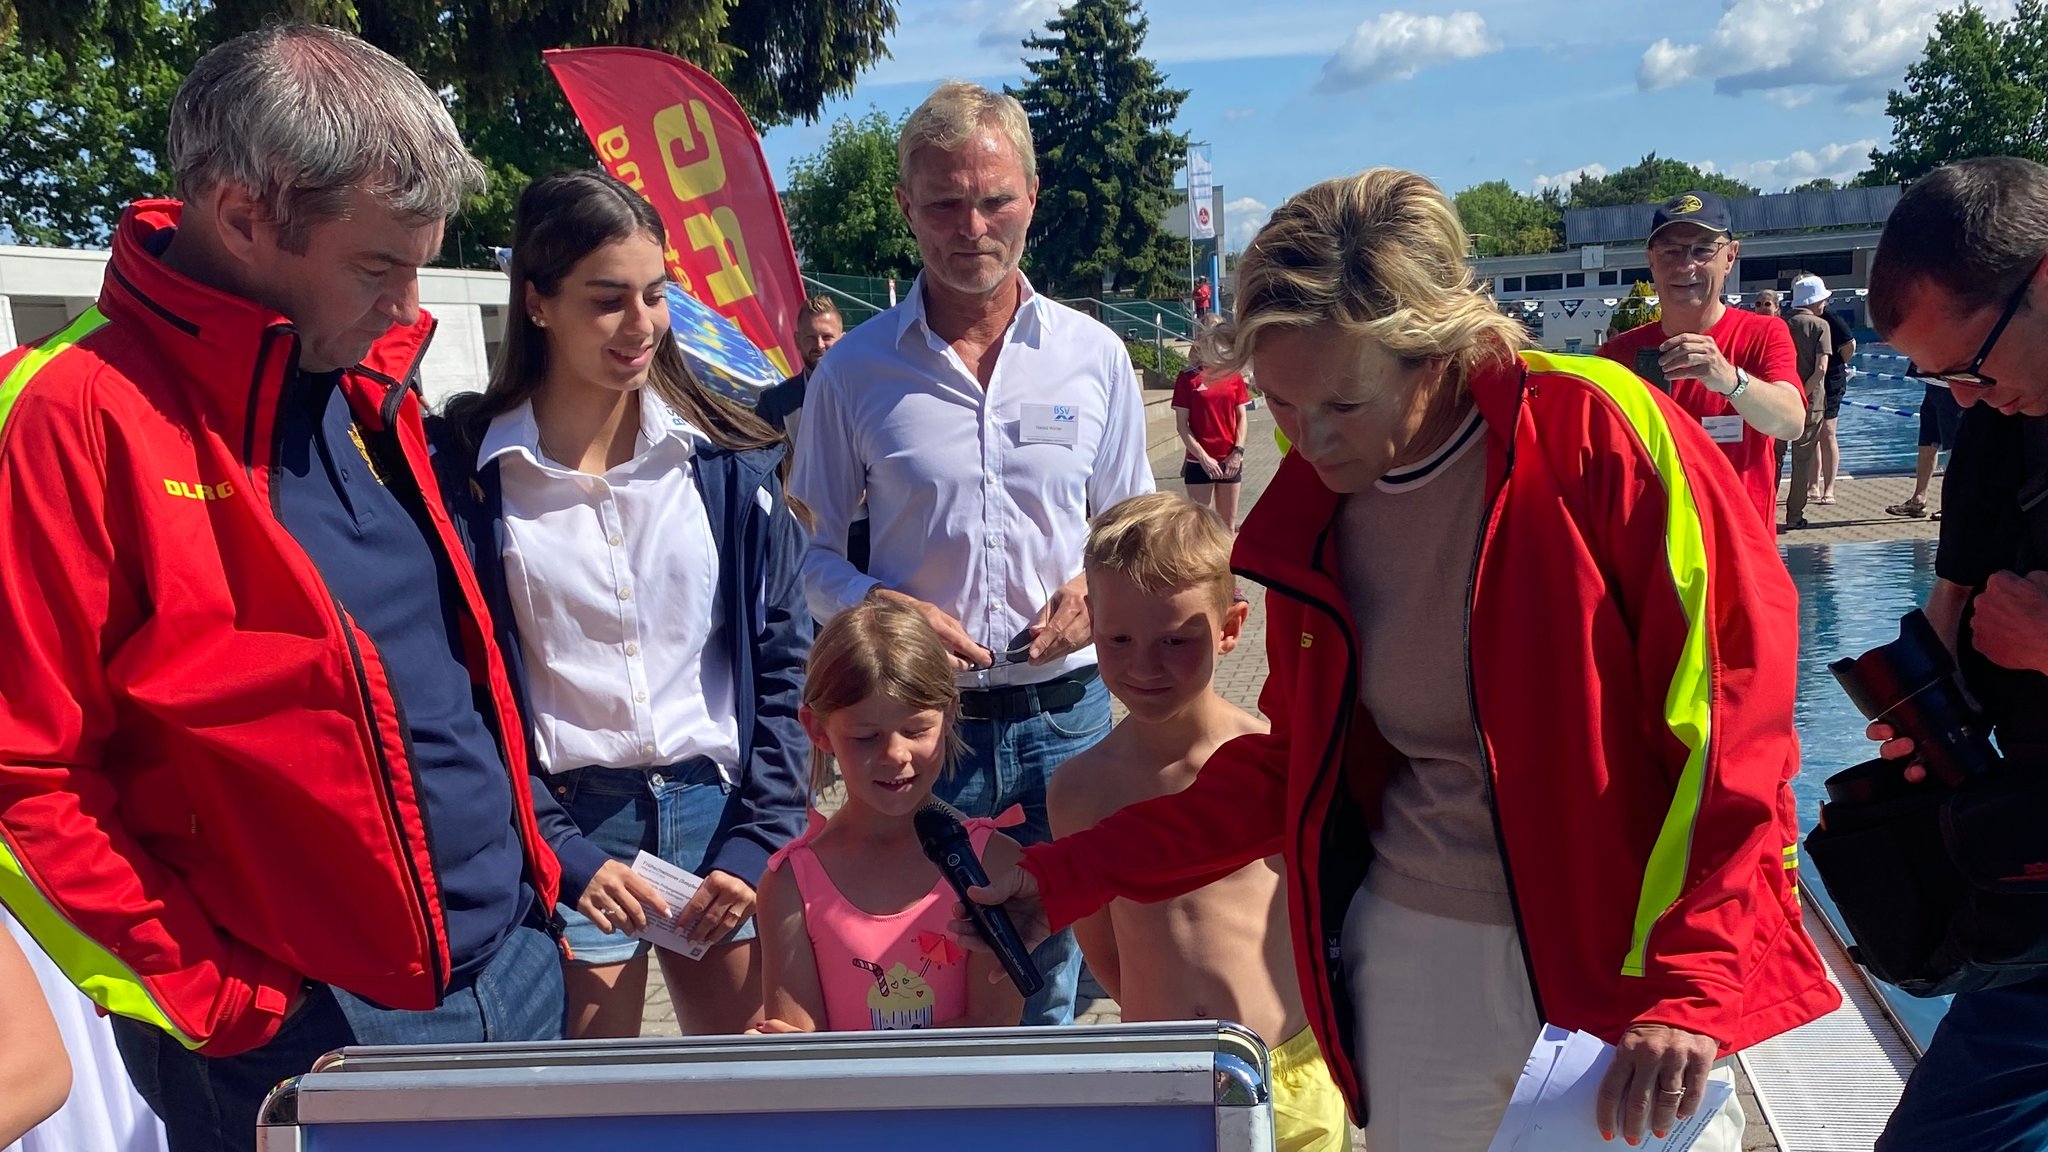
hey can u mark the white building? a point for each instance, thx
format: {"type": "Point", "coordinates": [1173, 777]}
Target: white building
{"type": "Point", "coordinates": [42, 289]}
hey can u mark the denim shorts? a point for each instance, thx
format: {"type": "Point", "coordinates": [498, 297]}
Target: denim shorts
{"type": "Point", "coordinates": [671, 812]}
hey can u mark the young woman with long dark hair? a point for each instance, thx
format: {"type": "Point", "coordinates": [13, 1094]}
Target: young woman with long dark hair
{"type": "Point", "coordinates": [633, 536]}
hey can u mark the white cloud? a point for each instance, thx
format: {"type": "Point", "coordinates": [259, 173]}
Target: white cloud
{"type": "Point", "coordinates": [1010, 21]}
{"type": "Point", "coordinates": [1569, 177]}
{"type": "Point", "coordinates": [1837, 162]}
{"type": "Point", "coordinates": [1858, 47]}
{"type": "Point", "coordinates": [1242, 219]}
{"type": "Point", "coordinates": [1397, 45]}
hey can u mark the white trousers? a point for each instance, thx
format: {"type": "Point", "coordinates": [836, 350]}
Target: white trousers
{"type": "Point", "coordinates": [1445, 1020]}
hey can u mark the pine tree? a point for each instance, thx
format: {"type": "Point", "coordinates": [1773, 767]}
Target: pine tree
{"type": "Point", "coordinates": [1100, 119]}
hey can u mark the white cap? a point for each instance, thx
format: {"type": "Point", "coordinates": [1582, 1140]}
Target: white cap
{"type": "Point", "coordinates": [1809, 290]}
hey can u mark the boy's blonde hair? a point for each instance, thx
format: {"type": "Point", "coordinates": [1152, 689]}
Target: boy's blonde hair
{"type": "Point", "coordinates": [1163, 542]}
{"type": "Point", "coordinates": [879, 646]}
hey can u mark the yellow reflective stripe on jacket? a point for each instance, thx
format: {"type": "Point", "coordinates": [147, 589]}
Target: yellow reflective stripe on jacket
{"type": "Point", "coordinates": [1688, 700]}
{"type": "Point", "coordinates": [97, 972]}
{"type": "Point", "coordinates": [17, 379]}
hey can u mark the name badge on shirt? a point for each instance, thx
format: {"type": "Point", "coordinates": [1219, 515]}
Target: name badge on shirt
{"type": "Point", "coordinates": [1050, 424]}
{"type": "Point", "coordinates": [1723, 429]}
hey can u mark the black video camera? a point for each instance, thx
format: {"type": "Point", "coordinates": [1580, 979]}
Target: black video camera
{"type": "Point", "coordinates": [1944, 882]}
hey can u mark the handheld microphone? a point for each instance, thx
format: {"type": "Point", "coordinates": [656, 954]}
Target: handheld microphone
{"type": "Point", "coordinates": [945, 843]}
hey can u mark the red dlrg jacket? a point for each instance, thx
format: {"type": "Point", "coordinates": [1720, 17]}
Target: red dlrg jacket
{"type": "Point", "coordinates": [206, 792]}
{"type": "Point", "coordinates": [1631, 635]}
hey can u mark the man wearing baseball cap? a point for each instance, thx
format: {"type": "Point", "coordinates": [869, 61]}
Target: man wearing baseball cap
{"type": "Point", "coordinates": [1734, 370]}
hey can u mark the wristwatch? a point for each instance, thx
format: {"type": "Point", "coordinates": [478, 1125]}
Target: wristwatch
{"type": "Point", "coordinates": [1741, 384]}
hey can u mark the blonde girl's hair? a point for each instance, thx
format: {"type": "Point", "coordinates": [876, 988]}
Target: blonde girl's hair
{"type": "Point", "coordinates": [879, 646]}
{"type": "Point", "coordinates": [1381, 254]}
{"type": "Point", "coordinates": [1163, 542]}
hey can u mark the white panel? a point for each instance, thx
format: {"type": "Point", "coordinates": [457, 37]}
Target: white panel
{"type": "Point", "coordinates": [455, 359]}
{"type": "Point", "coordinates": [7, 336]}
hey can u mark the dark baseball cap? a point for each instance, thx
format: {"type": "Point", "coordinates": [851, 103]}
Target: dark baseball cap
{"type": "Point", "coordinates": [1702, 208]}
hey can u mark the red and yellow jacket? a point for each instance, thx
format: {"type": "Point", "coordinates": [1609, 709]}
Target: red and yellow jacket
{"type": "Point", "coordinates": [206, 792]}
{"type": "Point", "coordinates": [1631, 635]}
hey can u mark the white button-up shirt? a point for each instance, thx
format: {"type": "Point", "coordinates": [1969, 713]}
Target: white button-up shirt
{"type": "Point", "coordinates": [614, 583]}
{"type": "Point", "coordinates": [979, 501]}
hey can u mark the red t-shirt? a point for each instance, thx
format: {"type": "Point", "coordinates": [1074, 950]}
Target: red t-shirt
{"type": "Point", "coordinates": [1212, 409]}
{"type": "Point", "coordinates": [1760, 346]}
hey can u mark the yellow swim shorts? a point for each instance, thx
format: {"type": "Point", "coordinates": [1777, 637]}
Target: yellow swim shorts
{"type": "Point", "coordinates": [1308, 1111]}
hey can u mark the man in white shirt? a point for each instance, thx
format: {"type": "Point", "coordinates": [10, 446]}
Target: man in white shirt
{"type": "Point", "coordinates": [986, 424]}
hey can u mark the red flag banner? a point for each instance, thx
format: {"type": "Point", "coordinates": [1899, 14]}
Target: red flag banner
{"type": "Point", "coordinates": [676, 135]}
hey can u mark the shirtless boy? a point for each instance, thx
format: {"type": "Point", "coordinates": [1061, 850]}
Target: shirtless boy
{"type": "Point", "coordinates": [1159, 592]}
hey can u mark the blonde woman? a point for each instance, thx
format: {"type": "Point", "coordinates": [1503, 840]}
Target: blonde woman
{"type": "Point", "coordinates": [1531, 701]}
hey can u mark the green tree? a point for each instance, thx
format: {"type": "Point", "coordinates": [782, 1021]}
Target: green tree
{"type": "Point", "coordinates": [1100, 116]}
{"type": "Point", "coordinates": [1637, 309]}
{"type": "Point", "coordinates": [80, 132]}
{"type": "Point", "coordinates": [782, 58]}
{"type": "Point", "coordinates": [1817, 184]}
{"type": "Point", "coordinates": [842, 202]}
{"type": "Point", "coordinates": [1651, 180]}
{"type": "Point", "coordinates": [1504, 222]}
{"type": "Point", "coordinates": [1979, 89]}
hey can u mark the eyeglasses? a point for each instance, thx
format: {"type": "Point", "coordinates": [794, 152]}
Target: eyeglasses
{"type": "Point", "coordinates": [1973, 376]}
{"type": "Point", "coordinates": [1686, 253]}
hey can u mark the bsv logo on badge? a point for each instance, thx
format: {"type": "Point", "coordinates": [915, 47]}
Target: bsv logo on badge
{"type": "Point", "coordinates": [1063, 412]}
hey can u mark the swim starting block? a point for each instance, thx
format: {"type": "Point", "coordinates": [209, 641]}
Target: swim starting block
{"type": "Point", "coordinates": [1178, 1087]}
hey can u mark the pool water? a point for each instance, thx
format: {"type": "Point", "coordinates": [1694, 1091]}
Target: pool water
{"type": "Point", "coordinates": [1879, 443]}
{"type": "Point", "coordinates": [1850, 599]}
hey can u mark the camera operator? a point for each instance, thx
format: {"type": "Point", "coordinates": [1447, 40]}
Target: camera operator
{"type": "Point", "coordinates": [1960, 285]}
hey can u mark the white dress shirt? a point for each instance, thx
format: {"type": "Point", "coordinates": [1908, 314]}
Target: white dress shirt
{"type": "Point", "coordinates": [614, 583]}
{"type": "Point", "coordinates": [979, 501]}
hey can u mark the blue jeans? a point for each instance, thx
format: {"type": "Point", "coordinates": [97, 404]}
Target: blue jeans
{"type": "Point", "coordinates": [1983, 1084]}
{"type": "Point", "coordinates": [673, 813]}
{"type": "Point", "coordinates": [1008, 762]}
{"type": "Point", "coordinates": [209, 1104]}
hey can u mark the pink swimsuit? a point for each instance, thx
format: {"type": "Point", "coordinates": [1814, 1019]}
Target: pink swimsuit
{"type": "Point", "coordinates": [903, 970]}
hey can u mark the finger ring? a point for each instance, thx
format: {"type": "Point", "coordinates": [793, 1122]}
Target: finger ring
{"type": "Point", "coordinates": [1672, 1091]}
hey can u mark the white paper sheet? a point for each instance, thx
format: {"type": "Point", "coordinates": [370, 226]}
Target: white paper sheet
{"type": "Point", "coordinates": [677, 886]}
{"type": "Point", "coordinates": [1552, 1106]}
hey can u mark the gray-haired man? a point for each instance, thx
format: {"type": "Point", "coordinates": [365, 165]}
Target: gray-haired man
{"type": "Point", "coordinates": [262, 785]}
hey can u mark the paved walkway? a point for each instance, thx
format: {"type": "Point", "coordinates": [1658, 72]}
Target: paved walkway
{"type": "Point", "coordinates": [1858, 515]}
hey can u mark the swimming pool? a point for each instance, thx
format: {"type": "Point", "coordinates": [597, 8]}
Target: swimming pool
{"type": "Point", "coordinates": [1879, 443]}
{"type": "Point", "coordinates": [1850, 599]}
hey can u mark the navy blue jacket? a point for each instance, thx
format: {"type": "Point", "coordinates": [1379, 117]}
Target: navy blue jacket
{"type": "Point", "coordinates": [760, 590]}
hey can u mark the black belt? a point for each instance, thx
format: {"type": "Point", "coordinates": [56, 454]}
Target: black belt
{"type": "Point", "coordinates": [1022, 701]}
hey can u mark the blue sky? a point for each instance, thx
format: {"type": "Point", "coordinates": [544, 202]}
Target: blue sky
{"type": "Point", "coordinates": [1289, 93]}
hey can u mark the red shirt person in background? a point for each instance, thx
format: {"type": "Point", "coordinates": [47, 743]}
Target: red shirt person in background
{"type": "Point", "coordinates": [1736, 371]}
{"type": "Point", "coordinates": [1202, 297]}
{"type": "Point", "coordinates": [1211, 417]}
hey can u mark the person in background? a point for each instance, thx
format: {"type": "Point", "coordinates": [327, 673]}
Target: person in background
{"type": "Point", "coordinates": [1212, 416]}
{"type": "Point", "coordinates": [1203, 297]}
{"type": "Point", "coordinates": [982, 421]}
{"type": "Point", "coordinates": [854, 919]}
{"type": "Point", "coordinates": [35, 1073]}
{"type": "Point", "coordinates": [1160, 588]}
{"type": "Point", "coordinates": [1940, 416]}
{"type": "Point", "coordinates": [1960, 285]}
{"type": "Point", "coordinates": [644, 570]}
{"type": "Point", "coordinates": [1735, 371]}
{"type": "Point", "coordinates": [1484, 666]}
{"type": "Point", "coordinates": [1814, 345]}
{"type": "Point", "coordinates": [262, 786]}
{"type": "Point", "coordinates": [818, 328]}
{"type": "Point", "coordinates": [1839, 362]}
{"type": "Point", "coordinates": [1767, 303]}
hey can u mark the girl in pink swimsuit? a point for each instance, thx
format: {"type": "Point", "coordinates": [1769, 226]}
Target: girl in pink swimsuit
{"type": "Point", "coordinates": [853, 918]}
